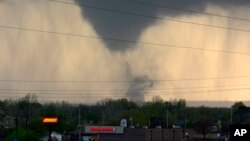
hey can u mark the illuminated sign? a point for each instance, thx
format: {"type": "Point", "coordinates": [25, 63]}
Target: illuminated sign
{"type": "Point", "coordinates": [104, 129]}
{"type": "Point", "coordinates": [107, 129]}
{"type": "Point", "coordinates": [49, 120]}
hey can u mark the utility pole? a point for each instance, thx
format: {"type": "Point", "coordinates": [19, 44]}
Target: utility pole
{"type": "Point", "coordinates": [162, 135]}
{"type": "Point", "coordinates": [167, 117]}
{"type": "Point", "coordinates": [27, 110]}
{"type": "Point", "coordinates": [131, 121]}
{"type": "Point", "coordinates": [167, 106]}
{"type": "Point", "coordinates": [149, 122]}
{"type": "Point", "coordinates": [27, 116]}
{"type": "Point", "coordinates": [231, 115]}
{"type": "Point", "coordinates": [79, 124]}
{"type": "Point", "coordinates": [102, 117]}
{"type": "Point", "coordinates": [185, 126]}
{"type": "Point", "coordinates": [173, 135]}
{"type": "Point", "coordinates": [185, 121]}
{"type": "Point", "coordinates": [151, 135]}
{"type": "Point", "coordinates": [16, 123]}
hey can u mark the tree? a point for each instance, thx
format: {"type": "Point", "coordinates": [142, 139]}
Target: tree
{"type": "Point", "coordinates": [3, 106]}
{"type": "Point", "coordinates": [241, 113]}
{"type": "Point", "coordinates": [137, 116]}
{"type": "Point", "coordinates": [24, 105]}
{"type": "Point", "coordinates": [157, 99]}
{"type": "Point", "coordinates": [23, 135]}
{"type": "Point", "coordinates": [237, 105]}
{"type": "Point", "coordinates": [203, 123]}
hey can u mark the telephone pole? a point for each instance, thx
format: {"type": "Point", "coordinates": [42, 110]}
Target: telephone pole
{"type": "Point", "coordinates": [167, 118]}
{"type": "Point", "coordinates": [27, 116]}
{"type": "Point", "coordinates": [231, 114]}
{"type": "Point", "coordinates": [79, 124]}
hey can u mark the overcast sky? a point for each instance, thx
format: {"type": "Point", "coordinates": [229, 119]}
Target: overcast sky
{"type": "Point", "coordinates": [117, 48]}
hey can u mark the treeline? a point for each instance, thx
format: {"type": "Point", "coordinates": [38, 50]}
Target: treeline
{"type": "Point", "coordinates": [24, 116]}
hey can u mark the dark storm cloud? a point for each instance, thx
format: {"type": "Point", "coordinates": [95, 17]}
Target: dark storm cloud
{"type": "Point", "coordinates": [129, 27]}
{"type": "Point", "coordinates": [115, 25]}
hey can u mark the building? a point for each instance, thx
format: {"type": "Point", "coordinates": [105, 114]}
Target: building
{"type": "Point", "coordinates": [118, 133]}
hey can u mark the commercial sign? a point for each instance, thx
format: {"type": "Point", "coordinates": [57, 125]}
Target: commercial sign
{"type": "Point", "coordinates": [50, 120]}
{"type": "Point", "coordinates": [104, 129]}
{"type": "Point", "coordinates": [124, 123]}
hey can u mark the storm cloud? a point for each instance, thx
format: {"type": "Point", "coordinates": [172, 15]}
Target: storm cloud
{"type": "Point", "coordinates": [105, 66]}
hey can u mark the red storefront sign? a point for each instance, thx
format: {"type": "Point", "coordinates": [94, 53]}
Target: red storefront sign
{"type": "Point", "coordinates": [104, 129]}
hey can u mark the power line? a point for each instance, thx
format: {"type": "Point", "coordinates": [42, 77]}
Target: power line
{"type": "Point", "coordinates": [77, 97]}
{"type": "Point", "coordinates": [131, 94]}
{"type": "Point", "coordinates": [185, 10]}
{"type": "Point", "coordinates": [128, 95]}
{"type": "Point", "coordinates": [65, 97]}
{"type": "Point", "coordinates": [118, 90]}
{"type": "Point", "coordinates": [121, 40]}
{"type": "Point", "coordinates": [121, 81]}
{"type": "Point", "coordinates": [148, 16]}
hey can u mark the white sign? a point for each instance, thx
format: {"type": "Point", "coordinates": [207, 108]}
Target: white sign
{"type": "Point", "coordinates": [124, 123]}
